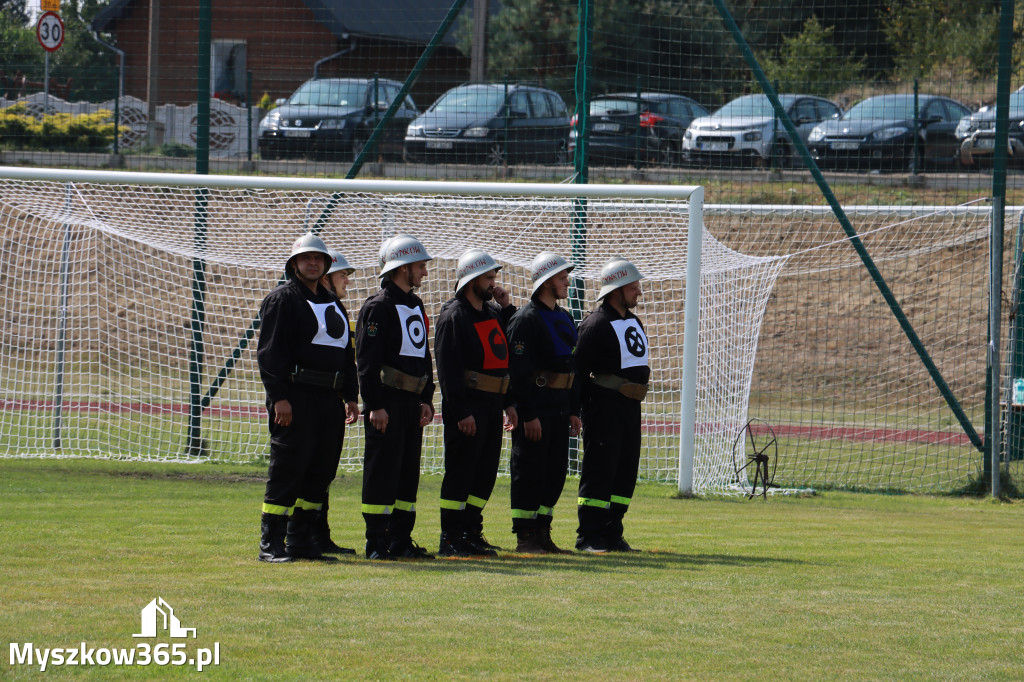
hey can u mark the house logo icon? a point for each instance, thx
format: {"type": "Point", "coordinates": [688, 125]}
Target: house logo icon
{"type": "Point", "coordinates": [158, 614]}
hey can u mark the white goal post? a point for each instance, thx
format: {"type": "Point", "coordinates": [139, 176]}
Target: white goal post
{"type": "Point", "coordinates": [129, 301]}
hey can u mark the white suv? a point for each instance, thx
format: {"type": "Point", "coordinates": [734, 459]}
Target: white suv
{"type": "Point", "coordinates": [747, 130]}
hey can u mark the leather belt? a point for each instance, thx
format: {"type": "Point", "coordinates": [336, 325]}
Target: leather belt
{"type": "Point", "coordinates": [315, 377]}
{"type": "Point", "coordinates": [486, 382]}
{"type": "Point", "coordinates": [546, 379]}
{"type": "Point", "coordinates": [630, 389]}
{"type": "Point", "coordinates": [389, 376]}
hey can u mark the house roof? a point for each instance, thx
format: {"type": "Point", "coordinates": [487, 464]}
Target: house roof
{"type": "Point", "coordinates": [411, 20]}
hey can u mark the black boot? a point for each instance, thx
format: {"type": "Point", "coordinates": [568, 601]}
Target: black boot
{"type": "Point", "coordinates": [272, 532]}
{"type": "Point", "coordinates": [322, 533]}
{"type": "Point", "coordinates": [477, 545]}
{"type": "Point", "coordinates": [377, 542]}
{"type": "Point", "coordinates": [300, 541]}
{"type": "Point", "coordinates": [406, 548]}
{"type": "Point", "coordinates": [620, 545]}
{"type": "Point", "coordinates": [544, 537]}
{"type": "Point", "coordinates": [452, 545]}
{"type": "Point", "coordinates": [475, 530]}
{"type": "Point", "coordinates": [528, 542]}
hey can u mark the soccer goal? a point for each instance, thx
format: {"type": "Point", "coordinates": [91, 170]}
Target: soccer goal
{"type": "Point", "coordinates": [129, 304]}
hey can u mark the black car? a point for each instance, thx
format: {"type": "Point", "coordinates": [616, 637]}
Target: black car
{"type": "Point", "coordinates": [333, 118]}
{"type": "Point", "coordinates": [647, 129]}
{"type": "Point", "coordinates": [977, 134]}
{"type": "Point", "coordinates": [879, 133]}
{"type": "Point", "coordinates": [491, 123]}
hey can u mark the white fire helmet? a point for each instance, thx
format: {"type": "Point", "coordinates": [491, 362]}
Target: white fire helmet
{"type": "Point", "coordinates": [308, 243]}
{"type": "Point", "coordinates": [338, 263]}
{"type": "Point", "coordinates": [618, 272]}
{"type": "Point", "coordinates": [402, 250]}
{"type": "Point", "coordinates": [382, 252]}
{"type": "Point", "coordinates": [471, 265]}
{"type": "Point", "coordinates": [544, 266]}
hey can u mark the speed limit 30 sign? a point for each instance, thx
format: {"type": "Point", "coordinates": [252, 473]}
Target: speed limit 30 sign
{"type": "Point", "coordinates": [50, 31]}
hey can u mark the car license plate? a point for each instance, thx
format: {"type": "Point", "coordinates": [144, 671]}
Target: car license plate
{"type": "Point", "coordinates": [439, 144]}
{"type": "Point", "coordinates": [296, 133]}
{"type": "Point", "coordinates": [607, 127]}
{"type": "Point", "coordinates": [715, 146]}
{"type": "Point", "coordinates": [985, 143]}
{"type": "Point", "coordinates": [845, 145]}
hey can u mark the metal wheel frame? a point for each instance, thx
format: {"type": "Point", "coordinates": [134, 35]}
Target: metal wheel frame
{"type": "Point", "coordinates": [762, 452]}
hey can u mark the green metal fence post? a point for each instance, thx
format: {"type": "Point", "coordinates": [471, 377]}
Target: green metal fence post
{"type": "Point", "coordinates": [996, 239]}
{"type": "Point", "coordinates": [194, 441]}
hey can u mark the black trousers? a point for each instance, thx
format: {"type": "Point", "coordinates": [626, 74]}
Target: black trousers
{"type": "Point", "coordinates": [538, 471]}
{"type": "Point", "coordinates": [470, 466]}
{"type": "Point", "coordinates": [391, 468]}
{"type": "Point", "coordinates": [304, 455]}
{"type": "Point", "coordinates": [611, 459]}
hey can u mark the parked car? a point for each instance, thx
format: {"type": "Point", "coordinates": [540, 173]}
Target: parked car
{"type": "Point", "coordinates": [491, 123]}
{"type": "Point", "coordinates": [647, 129]}
{"type": "Point", "coordinates": [746, 129]}
{"type": "Point", "coordinates": [878, 132]}
{"type": "Point", "coordinates": [333, 118]}
{"type": "Point", "coordinates": [976, 133]}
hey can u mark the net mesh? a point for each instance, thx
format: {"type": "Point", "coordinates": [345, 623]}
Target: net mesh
{"type": "Point", "coordinates": [100, 287]}
{"type": "Point", "coordinates": [99, 311]}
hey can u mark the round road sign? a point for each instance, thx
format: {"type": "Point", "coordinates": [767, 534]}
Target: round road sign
{"type": "Point", "coordinates": [50, 31]}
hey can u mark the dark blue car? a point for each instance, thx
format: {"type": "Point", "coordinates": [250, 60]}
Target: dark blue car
{"type": "Point", "coordinates": [879, 132]}
{"type": "Point", "coordinates": [493, 123]}
{"type": "Point", "coordinates": [333, 118]}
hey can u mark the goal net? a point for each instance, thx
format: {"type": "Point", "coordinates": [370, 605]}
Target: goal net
{"type": "Point", "coordinates": [129, 310]}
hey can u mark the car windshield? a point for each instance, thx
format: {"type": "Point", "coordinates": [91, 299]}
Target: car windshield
{"type": "Point", "coordinates": [469, 100]}
{"type": "Point", "coordinates": [748, 105]}
{"type": "Point", "coordinates": [603, 107]}
{"type": "Point", "coordinates": [892, 108]}
{"type": "Point", "coordinates": [330, 94]}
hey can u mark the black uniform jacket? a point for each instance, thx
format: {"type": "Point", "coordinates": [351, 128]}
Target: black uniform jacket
{"type": "Point", "coordinates": [306, 329]}
{"type": "Point", "coordinates": [393, 330]}
{"type": "Point", "coordinates": [541, 339]}
{"type": "Point", "coordinates": [467, 339]}
{"type": "Point", "coordinates": [604, 350]}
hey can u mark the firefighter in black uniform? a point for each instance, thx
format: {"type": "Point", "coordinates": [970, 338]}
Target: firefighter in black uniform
{"type": "Point", "coordinates": [613, 371]}
{"type": "Point", "coordinates": [336, 281]}
{"type": "Point", "coordinates": [397, 384]}
{"type": "Point", "coordinates": [542, 336]}
{"type": "Point", "coordinates": [472, 369]}
{"type": "Point", "coordinates": [305, 361]}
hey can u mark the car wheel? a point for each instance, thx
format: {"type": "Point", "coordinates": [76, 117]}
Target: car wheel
{"type": "Point", "coordinates": [496, 153]}
{"type": "Point", "coordinates": [667, 155]}
{"type": "Point", "coordinates": [782, 155]}
{"type": "Point", "coordinates": [560, 157]}
{"type": "Point", "coordinates": [409, 157]}
{"type": "Point", "coordinates": [358, 144]}
{"type": "Point", "coordinates": [912, 163]}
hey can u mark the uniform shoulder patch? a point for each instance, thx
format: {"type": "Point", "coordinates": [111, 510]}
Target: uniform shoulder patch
{"type": "Point", "coordinates": [371, 329]}
{"type": "Point", "coordinates": [519, 348]}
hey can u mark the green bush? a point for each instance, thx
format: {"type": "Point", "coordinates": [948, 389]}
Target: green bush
{"type": "Point", "coordinates": [20, 129]}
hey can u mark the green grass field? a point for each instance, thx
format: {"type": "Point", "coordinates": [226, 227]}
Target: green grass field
{"type": "Point", "coordinates": [834, 586]}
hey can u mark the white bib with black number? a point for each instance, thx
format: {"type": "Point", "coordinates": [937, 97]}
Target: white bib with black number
{"type": "Point", "coordinates": [414, 332]}
{"type": "Point", "coordinates": [632, 343]}
{"type": "Point", "coordinates": [332, 327]}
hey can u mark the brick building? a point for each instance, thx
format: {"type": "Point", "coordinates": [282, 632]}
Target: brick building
{"type": "Point", "coordinates": [279, 42]}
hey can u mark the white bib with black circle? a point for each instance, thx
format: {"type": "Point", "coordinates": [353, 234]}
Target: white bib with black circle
{"type": "Point", "coordinates": [332, 325]}
{"type": "Point", "coordinates": [632, 343]}
{"type": "Point", "coordinates": [414, 332]}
